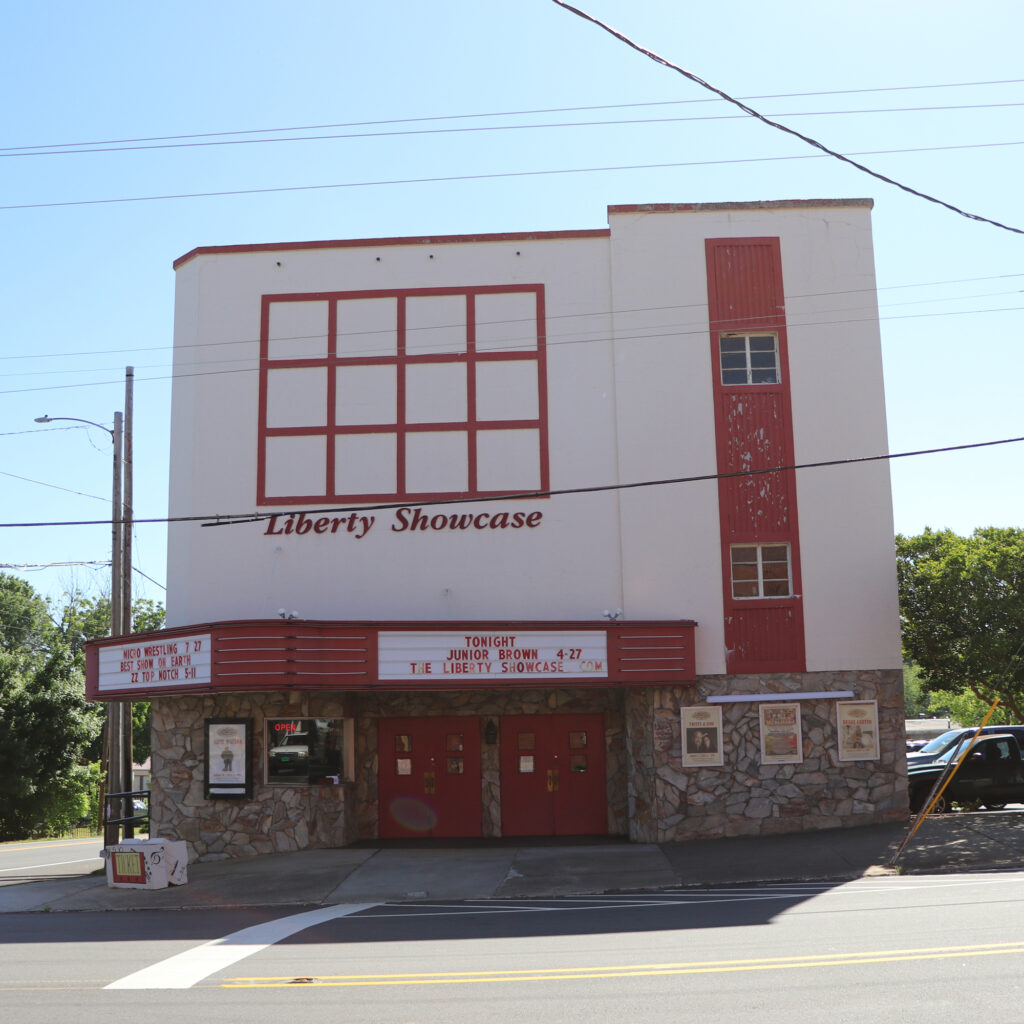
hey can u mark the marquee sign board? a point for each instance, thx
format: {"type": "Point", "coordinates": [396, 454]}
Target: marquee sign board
{"type": "Point", "coordinates": [493, 656]}
{"type": "Point", "coordinates": [260, 654]}
{"type": "Point", "coordinates": [147, 664]}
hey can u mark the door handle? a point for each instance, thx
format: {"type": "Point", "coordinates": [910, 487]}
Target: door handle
{"type": "Point", "coordinates": [552, 780]}
{"type": "Point", "coordinates": [428, 782]}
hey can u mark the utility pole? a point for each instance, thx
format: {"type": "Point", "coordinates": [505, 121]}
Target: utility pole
{"type": "Point", "coordinates": [127, 755]}
{"type": "Point", "coordinates": [115, 711]}
{"type": "Point", "coordinates": [117, 741]}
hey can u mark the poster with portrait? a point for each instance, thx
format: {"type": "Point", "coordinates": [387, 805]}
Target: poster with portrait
{"type": "Point", "coordinates": [228, 757]}
{"type": "Point", "coordinates": [781, 740]}
{"type": "Point", "coordinates": [702, 737]}
{"type": "Point", "coordinates": [857, 725]}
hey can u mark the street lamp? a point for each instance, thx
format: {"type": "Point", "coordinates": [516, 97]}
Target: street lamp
{"type": "Point", "coordinates": [119, 717]}
{"type": "Point", "coordinates": [116, 546]}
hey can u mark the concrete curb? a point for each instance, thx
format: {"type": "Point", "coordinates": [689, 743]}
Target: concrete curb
{"type": "Point", "coordinates": [985, 841]}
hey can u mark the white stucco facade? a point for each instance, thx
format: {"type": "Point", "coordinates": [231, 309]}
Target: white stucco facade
{"type": "Point", "coordinates": [563, 533]}
{"type": "Point", "coordinates": [629, 401]}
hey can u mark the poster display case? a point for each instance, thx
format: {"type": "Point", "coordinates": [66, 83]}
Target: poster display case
{"type": "Point", "coordinates": [228, 758]}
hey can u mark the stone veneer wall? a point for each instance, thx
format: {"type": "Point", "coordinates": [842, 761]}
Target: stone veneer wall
{"type": "Point", "coordinates": [277, 819]}
{"type": "Point", "coordinates": [744, 797]}
{"type": "Point", "coordinates": [651, 797]}
{"type": "Point", "coordinates": [487, 705]}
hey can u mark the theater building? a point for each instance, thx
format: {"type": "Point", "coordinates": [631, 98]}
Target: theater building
{"type": "Point", "coordinates": [556, 533]}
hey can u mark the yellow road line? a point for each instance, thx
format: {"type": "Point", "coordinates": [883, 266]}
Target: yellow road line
{"type": "Point", "coordinates": [569, 973]}
{"type": "Point", "coordinates": [635, 970]}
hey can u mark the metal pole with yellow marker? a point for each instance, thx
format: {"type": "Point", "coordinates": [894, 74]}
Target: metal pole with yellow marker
{"type": "Point", "coordinates": [944, 780]}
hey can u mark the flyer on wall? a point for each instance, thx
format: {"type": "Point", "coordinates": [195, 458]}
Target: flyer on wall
{"type": "Point", "coordinates": [857, 723]}
{"type": "Point", "coordinates": [780, 734]}
{"type": "Point", "coordinates": [702, 737]}
{"type": "Point", "coordinates": [227, 757]}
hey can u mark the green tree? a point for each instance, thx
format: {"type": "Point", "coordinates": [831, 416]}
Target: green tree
{"type": "Point", "coordinates": [24, 617]}
{"type": "Point", "coordinates": [962, 611]}
{"type": "Point", "coordinates": [965, 709]}
{"type": "Point", "coordinates": [49, 732]}
{"type": "Point", "coordinates": [147, 615]}
{"type": "Point", "coordinates": [46, 725]}
{"type": "Point", "coordinates": [84, 618]}
{"type": "Point", "coordinates": [915, 700]}
{"type": "Point", "coordinates": [142, 720]}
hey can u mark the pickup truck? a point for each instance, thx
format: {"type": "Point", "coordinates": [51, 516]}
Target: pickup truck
{"type": "Point", "coordinates": [933, 749]}
{"type": "Point", "coordinates": [991, 776]}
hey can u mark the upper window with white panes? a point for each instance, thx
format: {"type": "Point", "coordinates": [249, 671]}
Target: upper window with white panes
{"type": "Point", "coordinates": [749, 358]}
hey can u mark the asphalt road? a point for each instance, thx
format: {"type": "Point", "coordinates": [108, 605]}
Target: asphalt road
{"type": "Point", "coordinates": [48, 859]}
{"type": "Point", "coordinates": [885, 949]}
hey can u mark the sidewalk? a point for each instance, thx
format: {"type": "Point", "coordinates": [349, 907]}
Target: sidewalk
{"type": "Point", "coordinates": [505, 869]}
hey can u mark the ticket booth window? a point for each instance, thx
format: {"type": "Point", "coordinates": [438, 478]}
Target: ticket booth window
{"type": "Point", "coordinates": [308, 751]}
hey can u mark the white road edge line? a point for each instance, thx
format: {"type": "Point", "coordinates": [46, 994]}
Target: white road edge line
{"type": "Point", "coordinates": [53, 864]}
{"type": "Point", "coordinates": [187, 969]}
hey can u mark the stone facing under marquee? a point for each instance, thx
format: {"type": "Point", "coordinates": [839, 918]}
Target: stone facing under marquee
{"type": "Point", "coordinates": [298, 655]}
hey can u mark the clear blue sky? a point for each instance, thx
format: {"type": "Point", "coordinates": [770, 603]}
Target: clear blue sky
{"type": "Point", "coordinates": [88, 289]}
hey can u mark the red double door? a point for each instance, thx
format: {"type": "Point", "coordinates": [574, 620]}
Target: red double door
{"type": "Point", "coordinates": [429, 777]}
{"type": "Point", "coordinates": [552, 776]}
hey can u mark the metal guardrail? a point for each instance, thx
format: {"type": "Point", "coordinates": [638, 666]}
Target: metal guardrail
{"type": "Point", "coordinates": [116, 829]}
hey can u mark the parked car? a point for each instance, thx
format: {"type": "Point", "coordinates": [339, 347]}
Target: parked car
{"type": "Point", "coordinates": [290, 756]}
{"type": "Point", "coordinates": [991, 775]}
{"type": "Point", "coordinates": [938, 747]}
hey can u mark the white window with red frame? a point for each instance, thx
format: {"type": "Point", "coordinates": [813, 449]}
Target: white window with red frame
{"type": "Point", "coordinates": [749, 357]}
{"type": "Point", "coordinates": [403, 395]}
{"type": "Point", "coordinates": [761, 571]}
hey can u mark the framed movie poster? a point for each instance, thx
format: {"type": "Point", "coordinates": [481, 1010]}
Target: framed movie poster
{"type": "Point", "coordinates": [702, 737]}
{"type": "Point", "coordinates": [228, 758]}
{"type": "Point", "coordinates": [781, 739]}
{"type": "Point", "coordinates": [857, 725]}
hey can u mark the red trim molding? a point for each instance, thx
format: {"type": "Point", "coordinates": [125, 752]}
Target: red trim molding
{"type": "Point", "coordinates": [518, 236]}
{"type": "Point", "coordinates": [368, 243]}
{"type": "Point", "coordinates": [764, 204]}
{"type": "Point", "coordinates": [274, 654]}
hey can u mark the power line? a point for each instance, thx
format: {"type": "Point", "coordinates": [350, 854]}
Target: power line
{"type": "Point", "coordinates": [624, 337]}
{"type": "Point", "coordinates": [44, 430]}
{"type": "Point", "coordinates": [541, 173]}
{"type": "Point", "coordinates": [552, 338]}
{"type": "Point", "coordinates": [56, 487]}
{"type": "Point", "coordinates": [39, 566]}
{"type": "Point", "coordinates": [559, 338]}
{"type": "Point", "coordinates": [240, 518]}
{"type": "Point", "coordinates": [157, 583]}
{"type": "Point", "coordinates": [781, 127]}
{"type": "Point", "coordinates": [464, 130]}
{"type": "Point", "coordinates": [503, 113]}
{"type": "Point", "coordinates": [206, 345]}
{"type": "Point", "coordinates": [27, 566]}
